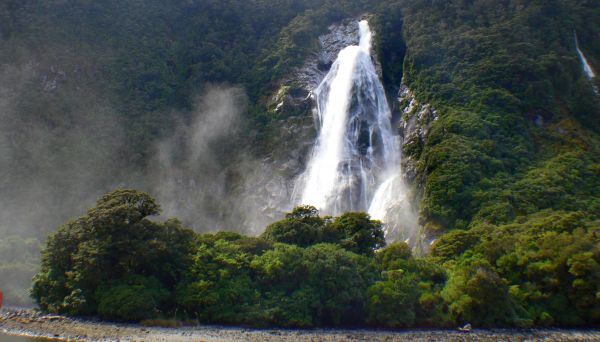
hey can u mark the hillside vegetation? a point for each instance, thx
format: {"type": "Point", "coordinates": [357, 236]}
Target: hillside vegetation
{"type": "Point", "coordinates": [507, 178]}
{"type": "Point", "coordinates": [307, 271]}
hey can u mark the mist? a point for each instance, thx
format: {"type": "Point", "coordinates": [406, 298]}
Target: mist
{"type": "Point", "coordinates": [206, 175]}
{"type": "Point", "coordinates": [59, 150]}
{"type": "Point", "coordinates": [63, 145]}
{"type": "Point", "coordinates": [190, 174]}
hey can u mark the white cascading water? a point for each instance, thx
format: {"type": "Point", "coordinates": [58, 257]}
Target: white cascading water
{"type": "Point", "coordinates": [585, 65]}
{"type": "Point", "coordinates": [355, 163]}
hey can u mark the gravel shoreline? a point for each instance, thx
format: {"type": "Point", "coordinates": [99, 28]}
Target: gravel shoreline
{"type": "Point", "coordinates": [30, 323]}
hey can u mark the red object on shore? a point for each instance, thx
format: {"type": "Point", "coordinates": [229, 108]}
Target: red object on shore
{"type": "Point", "coordinates": [1, 298]}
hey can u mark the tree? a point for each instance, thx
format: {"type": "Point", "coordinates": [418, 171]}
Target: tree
{"type": "Point", "coordinates": [358, 233]}
{"type": "Point", "coordinates": [408, 292]}
{"type": "Point", "coordinates": [393, 301]}
{"type": "Point", "coordinates": [320, 285]}
{"type": "Point", "coordinates": [218, 288]}
{"type": "Point", "coordinates": [132, 299]}
{"type": "Point", "coordinates": [302, 227]}
{"type": "Point", "coordinates": [87, 261]}
{"type": "Point", "coordinates": [476, 294]}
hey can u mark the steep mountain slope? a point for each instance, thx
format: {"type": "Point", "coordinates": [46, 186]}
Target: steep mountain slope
{"type": "Point", "coordinates": [91, 92]}
{"type": "Point", "coordinates": [510, 158]}
{"type": "Point", "coordinates": [99, 95]}
{"type": "Point", "coordinates": [518, 124]}
{"type": "Point", "coordinates": [125, 76]}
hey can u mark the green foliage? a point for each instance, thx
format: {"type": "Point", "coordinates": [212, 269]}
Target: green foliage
{"type": "Point", "coordinates": [517, 120]}
{"type": "Point", "coordinates": [507, 176]}
{"type": "Point", "coordinates": [454, 243]}
{"type": "Point", "coordinates": [113, 242]}
{"type": "Point", "coordinates": [542, 267]}
{"type": "Point", "coordinates": [320, 285]}
{"type": "Point", "coordinates": [302, 227]}
{"type": "Point", "coordinates": [392, 302]}
{"type": "Point", "coordinates": [549, 260]}
{"type": "Point", "coordinates": [299, 281]}
{"type": "Point", "coordinates": [509, 165]}
{"type": "Point", "coordinates": [113, 262]}
{"type": "Point", "coordinates": [476, 294]}
{"type": "Point", "coordinates": [339, 279]}
{"type": "Point", "coordinates": [394, 255]}
{"type": "Point", "coordinates": [408, 293]}
{"type": "Point", "coordinates": [134, 299]}
{"type": "Point", "coordinates": [218, 287]}
{"type": "Point", "coordinates": [358, 233]}
{"type": "Point", "coordinates": [355, 232]}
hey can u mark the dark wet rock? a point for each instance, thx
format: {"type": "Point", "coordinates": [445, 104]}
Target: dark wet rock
{"type": "Point", "coordinates": [340, 35]}
{"type": "Point", "coordinates": [414, 126]}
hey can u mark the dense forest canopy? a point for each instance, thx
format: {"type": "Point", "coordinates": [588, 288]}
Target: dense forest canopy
{"type": "Point", "coordinates": [307, 270]}
{"type": "Point", "coordinates": [506, 181]}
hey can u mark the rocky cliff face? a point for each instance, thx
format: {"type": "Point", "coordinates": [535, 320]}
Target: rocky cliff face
{"type": "Point", "coordinates": [414, 125]}
{"type": "Point", "coordinates": [310, 75]}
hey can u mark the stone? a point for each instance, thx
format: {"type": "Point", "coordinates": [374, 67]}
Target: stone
{"type": "Point", "coordinates": [466, 328]}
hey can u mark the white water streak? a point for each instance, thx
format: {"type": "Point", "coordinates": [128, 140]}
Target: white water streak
{"type": "Point", "coordinates": [587, 68]}
{"type": "Point", "coordinates": [355, 164]}
{"type": "Point", "coordinates": [585, 65]}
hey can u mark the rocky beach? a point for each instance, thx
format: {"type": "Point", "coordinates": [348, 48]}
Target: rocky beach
{"type": "Point", "coordinates": [29, 323]}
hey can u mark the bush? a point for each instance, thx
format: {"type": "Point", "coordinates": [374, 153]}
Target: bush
{"type": "Point", "coordinates": [136, 300]}
{"type": "Point", "coordinates": [393, 302]}
{"type": "Point", "coordinates": [540, 270]}
{"type": "Point", "coordinates": [476, 294]}
{"type": "Point", "coordinates": [320, 285]}
{"type": "Point", "coordinates": [111, 243]}
{"type": "Point", "coordinates": [302, 227]}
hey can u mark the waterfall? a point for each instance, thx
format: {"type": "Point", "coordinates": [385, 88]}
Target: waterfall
{"type": "Point", "coordinates": [585, 65]}
{"type": "Point", "coordinates": [355, 162]}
